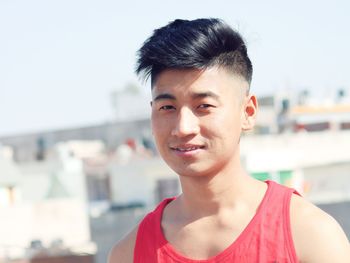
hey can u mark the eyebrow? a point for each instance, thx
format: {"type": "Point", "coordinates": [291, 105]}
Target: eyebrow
{"type": "Point", "coordinates": [164, 96]}
{"type": "Point", "coordinates": [195, 95]}
{"type": "Point", "coordinates": [201, 95]}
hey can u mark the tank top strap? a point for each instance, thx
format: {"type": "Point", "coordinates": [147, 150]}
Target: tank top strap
{"type": "Point", "coordinates": [148, 238]}
{"type": "Point", "coordinates": [267, 238]}
{"type": "Point", "coordinates": [277, 213]}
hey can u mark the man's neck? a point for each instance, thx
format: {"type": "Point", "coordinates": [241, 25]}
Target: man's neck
{"type": "Point", "coordinates": [208, 195]}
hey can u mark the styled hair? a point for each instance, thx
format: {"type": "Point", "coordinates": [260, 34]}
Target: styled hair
{"type": "Point", "coordinates": [193, 44]}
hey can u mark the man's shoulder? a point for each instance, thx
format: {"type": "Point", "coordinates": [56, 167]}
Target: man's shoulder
{"type": "Point", "coordinates": [317, 236]}
{"type": "Point", "coordinates": [123, 251]}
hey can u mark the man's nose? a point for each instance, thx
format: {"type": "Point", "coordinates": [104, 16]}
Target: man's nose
{"type": "Point", "coordinates": [186, 123]}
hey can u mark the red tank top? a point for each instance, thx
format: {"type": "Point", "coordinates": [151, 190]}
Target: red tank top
{"type": "Point", "coordinates": [267, 237]}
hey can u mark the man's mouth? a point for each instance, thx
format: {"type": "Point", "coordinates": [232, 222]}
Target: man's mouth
{"type": "Point", "coordinates": [188, 148]}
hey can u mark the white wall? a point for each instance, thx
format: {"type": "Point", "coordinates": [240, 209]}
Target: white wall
{"type": "Point", "coordinates": [295, 150]}
{"type": "Point", "coordinates": [47, 220]}
{"type": "Point", "coordinates": [136, 180]}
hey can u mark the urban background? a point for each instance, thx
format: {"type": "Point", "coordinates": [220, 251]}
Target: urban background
{"type": "Point", "coordinates": [75, 192]}
{"type": "Point", "coordinates": [78, 165]}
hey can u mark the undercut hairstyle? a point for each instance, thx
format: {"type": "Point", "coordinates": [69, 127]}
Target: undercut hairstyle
{"type": "Point", "coordinates": [194, 44]}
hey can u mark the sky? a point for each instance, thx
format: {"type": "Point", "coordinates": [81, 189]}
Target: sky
{"type": "Point", "coordinates": [61, 59]}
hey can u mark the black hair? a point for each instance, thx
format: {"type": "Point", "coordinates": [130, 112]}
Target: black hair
{"type": "Point", "coordinates": [194, 44]}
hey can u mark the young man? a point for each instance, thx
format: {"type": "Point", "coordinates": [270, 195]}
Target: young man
{"type": "Point", "coordinates": [200, 75]}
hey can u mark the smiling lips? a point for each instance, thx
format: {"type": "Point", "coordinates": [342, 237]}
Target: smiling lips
{"type": "Point", "coordinates": [190, 148]}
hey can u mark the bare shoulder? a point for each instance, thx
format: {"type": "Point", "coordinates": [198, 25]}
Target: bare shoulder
{"type": "Point", "coordinates": [317, 236]}
{"type": "Point", "coordinates": [123, 251]}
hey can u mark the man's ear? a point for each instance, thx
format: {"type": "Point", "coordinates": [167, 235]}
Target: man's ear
{"type": "Point", "coordinates": [250, 108]}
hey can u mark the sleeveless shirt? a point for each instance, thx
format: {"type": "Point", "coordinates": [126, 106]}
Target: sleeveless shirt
{"type": "Point", "coordinates": [266, 238]}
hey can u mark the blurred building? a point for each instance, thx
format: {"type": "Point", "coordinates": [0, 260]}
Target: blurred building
{"type": "Point", "coordinates": [299, 111]}
{"type": "Point", "coordinates": [36, 146]}
{"type": "Point", "coordinates": [131, 103]}
{"type": "Point", "coordinates": [43, 204]}
{"type": "Point", "coordinates": [321, 117]}
{"type": "Point", "coordinates": [148, 182]}
{"type": "Point", "coordinates": [10, 176]}
{"type": "Point", "coordinates": [57, 259]}
{"type": "Point", "coordinates": [317, 164]}
{"type": "Point", "coordinates": [111, 174]}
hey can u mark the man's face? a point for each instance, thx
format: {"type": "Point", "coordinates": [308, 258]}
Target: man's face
{"type": "Point", "coordinates": [197, 119]}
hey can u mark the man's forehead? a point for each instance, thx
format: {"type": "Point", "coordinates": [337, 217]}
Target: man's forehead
{"type": "Point", "coordinates": [177, 77]}
{"type": "Point", "coordinates": [192, 94]}
{"type": "Point", "coordinates": [197, 83]}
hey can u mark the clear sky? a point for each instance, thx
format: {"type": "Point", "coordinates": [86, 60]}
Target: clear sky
{"type": "Point", "coordinates": [61, 59]}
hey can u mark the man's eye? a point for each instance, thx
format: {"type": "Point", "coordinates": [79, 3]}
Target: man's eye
{"type": "Point", "coordinates": [167, 107]}
{"type": "Point", "coordinates": [204, 106]}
